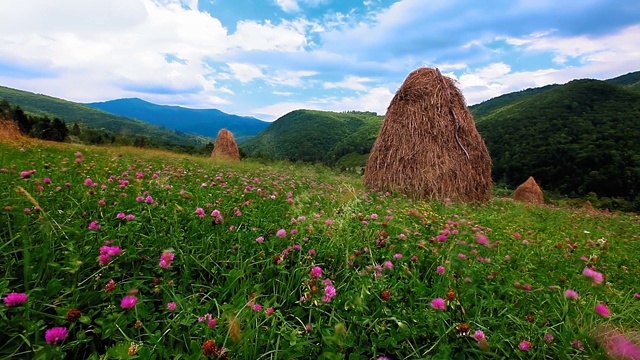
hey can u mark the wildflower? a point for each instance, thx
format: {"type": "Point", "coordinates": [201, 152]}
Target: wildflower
{"type": "Point", "coordinates": [165, 259]}
{"type": "Point", "coordinates": [414, 258]}
{"type": "Point", "coordinates": [440, 269]}
{"type": "Point", "coordinates": [200, 212]}
{"type": "Point", "coordinates": [128, 302]}
{"type": "Point", "coordinates": [385, 295]}
{"type": "Point", "coordinates": [548, 338]}
{"type": "Point", "coordinates": [596, 276]}
{"type": "Point", "coordinates": [524, 345]}
{"type": "Point", "coordinates": [131, 217]}
{"type": "Point", "coordinates": [211, 322]}
{"type": "Point", "coordinates": [94, 225]}
{"type": "Point", "coordinates": [374, 216]}
{"type": "Point", "coordinates": [481, 239]}
{"type": "Point", "coordinates": [517, 236]}
{"type": "Point", "coordinates": [256, 307]}
{"type": "Point", "coordinates": [269, 311]}
{"type": "Point", "coordinates": [637, 295]}
{"type": "Point", "coordinates": [312, 252]}
{"type": "Point", "coordinates": [111, 285]}
{"type": "Point", "coordinates": [438, 304]}
{"type": "Point", "coordinates": [73, 314]}
{"type": "Point", "coordinates": [209, 348]}
{"type": "Point", "coordinates": [281, 233]}
{"type": "Point", "coordinates": [15, 299]}
{"type": "Point", "coordinates": [388, 264]}
{"type": "Point", "coordinates": [149, 200]}
{"type": "Point", "coordinates": [577, 344]}
{"type": "Point", "coordinates": [53, 335]}
{"type": "Point", "coordinates": [120, 215]}
{"type": "Point", "coordinates": [479, 335]}
{"type": "Point", "coordinates": [571, 294]}
{"type": "Point", "coordinates": [329, 292]}
{"type": "Point", "coordinates": [328, 222]}
{"type": "Point", "coordinates": [171, 306]}
{"type": "Point", "coordinates": [398, 256]}
{"type": "Point", "coordinates": [525, 242]}
{"type": "Point", "coordinates": [259, 239]}
{"type": "Point", "coordinates": [316, 272]}
{"type": "Point", "coordinates": [602, 309]}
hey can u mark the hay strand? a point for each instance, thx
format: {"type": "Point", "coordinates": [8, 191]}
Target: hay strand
{"type": "Point", "coordinates": [428, 146]}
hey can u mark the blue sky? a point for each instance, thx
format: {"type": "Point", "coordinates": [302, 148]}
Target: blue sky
{"type": "Point", "coordinates": [264, 58]}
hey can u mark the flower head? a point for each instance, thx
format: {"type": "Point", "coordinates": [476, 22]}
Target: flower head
{"type": "Point", "coordinates": [128, 302]}
{"type": "Point", "coordinates": [524, 345]}
{"type": "Point", "coordinates": [602, 309]}
{"type": "Point", "coordinates": [166, 258]}
{"type": "Point", "coordinates": [171, 306]}
{"type": "Point", "coordinates": [479, 335]}
{"type": "Point", "coordinates": [316, 272]}
{"type": "Point", "coordinates": [281, 233]}
{"type": "Point", "coordinates": [440, 269]}
{"type": "Point", "coordinates": [15, 299]}
{"type": "Point", "coordinates": [329, 292]}
{"type": "Point", "coordinates": [571, 294]}
{"type": "Point", "coordinates": [53, 335]}
{"type": "Point", "coordinates": [438, 304]}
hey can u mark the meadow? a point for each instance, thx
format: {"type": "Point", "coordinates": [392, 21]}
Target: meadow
{"type": "Point", "coordinates": [117, 253]}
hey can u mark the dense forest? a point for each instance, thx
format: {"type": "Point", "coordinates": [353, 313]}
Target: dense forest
{"type": "Point", "coordinates": [319, 137]}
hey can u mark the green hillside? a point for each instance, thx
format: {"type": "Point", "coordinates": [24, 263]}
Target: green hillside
{"type": "Point", "coordinates": [577, 138]}
{"type": "Point", "coordinates": [503, 101]}
{"type": "Point", "coordinates": [72, 112]}
{"type": "Point", "coordinates": [316, 136]}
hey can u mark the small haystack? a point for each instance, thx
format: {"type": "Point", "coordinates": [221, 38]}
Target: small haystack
{"type": "Point", "coordinates": [428, 146]}
{"type": "Point", "coordinates": [225, 147]}
{"type": "Point", "coordinates": [529, 192]}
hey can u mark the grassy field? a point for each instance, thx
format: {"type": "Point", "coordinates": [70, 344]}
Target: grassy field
{"type": "Point", "coordinates": [113, 253]}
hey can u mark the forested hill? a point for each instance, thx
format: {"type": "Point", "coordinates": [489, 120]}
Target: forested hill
{"type": "Point", "coordinates": [72, 112]}
{"type": "Point", "coordinates": [331, 138]}
{"type": "Point", "coordinates": [577, 138]}
{"type": "Point", "coordinates": [205, 122]}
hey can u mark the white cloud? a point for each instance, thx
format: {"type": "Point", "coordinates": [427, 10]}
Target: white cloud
{"type": "Point", "coordinates": [350, 82]}
{"type": "Point", "coordinates": [288, 5]}
{"type": "Point", "coordinates": [287, 36]}
{"type": "Point", "coordinates": [245, 72]}
{"type": "Point", "coordinates": [289, 77]}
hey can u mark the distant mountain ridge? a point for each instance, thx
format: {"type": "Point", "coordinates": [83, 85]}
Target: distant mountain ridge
{"type": "Point", "coordinates": [72, 112]}
{"type": "Point", "coordinates": [206, 122]}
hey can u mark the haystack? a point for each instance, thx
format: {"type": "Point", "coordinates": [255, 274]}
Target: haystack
{"type": "Point", "coordinates": [428, 146]}
{"type": "Point", "coordinates": [225, 147]}
{"type": "Point", "coordinates": [530, 192]}
{"type": "Point", "coordinates": [9, 132]}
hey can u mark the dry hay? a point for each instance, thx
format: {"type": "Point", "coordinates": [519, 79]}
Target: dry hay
{"type": "Point", "coordinates": [10, 133]}
{"type": "Point", "coordinates": [428, 146]}
{"type": "Point", "coordinates": [529, 192]}
{"type": "Point", "coordinates": [225, 147]}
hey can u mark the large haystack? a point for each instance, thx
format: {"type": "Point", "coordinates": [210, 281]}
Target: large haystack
{"type": "Point", "coordinates": [428, 146]}
{"type": "Point", "coordinates": [225, 147]}
{"type": "Point", "coordinates": [530, 192]}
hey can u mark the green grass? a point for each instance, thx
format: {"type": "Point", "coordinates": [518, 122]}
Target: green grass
{"type": "Point", "coordinates": [380, 252]}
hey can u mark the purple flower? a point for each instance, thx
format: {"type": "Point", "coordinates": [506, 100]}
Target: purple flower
{"type": "Point", "coordinates": [53, 335]}
{"type": "Point", "coordinates": [259, 239]}
{"type": "Point", "coordinates": [94, 225]}
{"type": "Point", "coordinates": [316, 272]}
{"type": "Point", "coordinates": [548, 338]}
{"type": "Point", "coordinates": [571, 294]}
{"type": "Point", "coordinates": [269, 311]}
{"type": "Point", "coordinates": [596, 276]}
{"type": "Point", "coordinates": [438, 304]}
{"type": "Point", "coordinates": [256, 307]}
{"type": "Point", "coordinates": [15, 299]}
{"type": "Point", "coordinates": [171, 306]}
{"type": "Point", "coordinates": [281, 233]}
{"type": "Point", "coordinates": [479, 335]}
{"type": "Point", "coordinates": [524, 345]}
{"type": "Point", "coordinates": [165, 259]}
{"type": "Point", "coordinates": [602, 309]}
{"type": "Point", "coordinates": [128, 302]}
{"type": "Point", "coordinates": [440, 269]}
{"type": "Point", "coordinates": [329, 292]}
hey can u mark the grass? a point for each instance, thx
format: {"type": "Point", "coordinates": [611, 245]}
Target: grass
{"type": "Point", "coordinates": [253, 267]}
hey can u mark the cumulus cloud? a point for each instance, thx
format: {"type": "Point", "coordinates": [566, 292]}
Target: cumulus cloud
{"type": "Point", "coordinates": [350, 82]}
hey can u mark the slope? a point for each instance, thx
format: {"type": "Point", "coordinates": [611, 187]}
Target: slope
{"type": "Point", "coordinates": [77, 113]}
{"type": "Point", "coordinates": [206, 122]}
{"type": "Point", "coordinates": [313, 136]}
{"type": "Point", "coordinates": [577, 138]}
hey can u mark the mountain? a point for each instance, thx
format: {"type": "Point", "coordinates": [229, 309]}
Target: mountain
{"type": "Point", "coordinates": [72, 112]}
{"type": "Point", "coordinates": [206, 122]}
{"type": "Point", "coordinates": [576, 138]}
{"type": "Point", "coordinates": [317, 136]}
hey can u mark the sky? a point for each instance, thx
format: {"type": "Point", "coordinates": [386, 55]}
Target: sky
{"type": "Point", "coordinates": [265, 58]}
